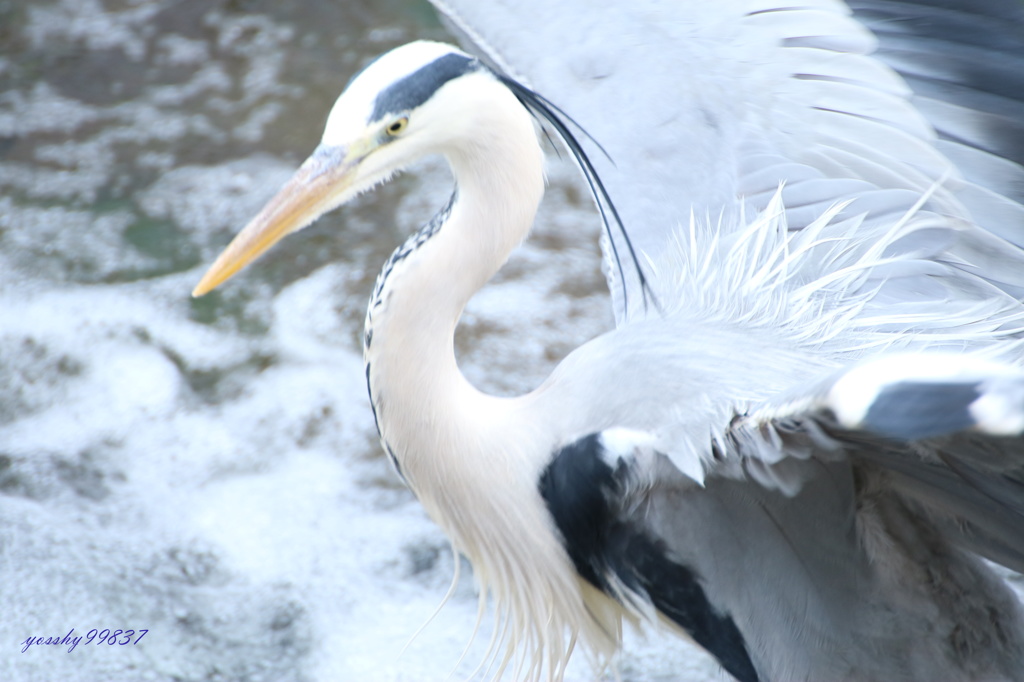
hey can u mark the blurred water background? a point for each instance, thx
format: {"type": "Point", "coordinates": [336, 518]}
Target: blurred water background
{"type": "Point", "coordinates": [208, 470]}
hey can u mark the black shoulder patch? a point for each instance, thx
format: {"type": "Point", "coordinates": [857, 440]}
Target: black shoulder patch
{"type": "Point", "coordinates": [585, 496]}
{"type": "Point", "coordinates": [576, 487]}
{"type": "Point", "coordinates": [420, 85]}
{"type": "Point", "coordinates": [911, 410]}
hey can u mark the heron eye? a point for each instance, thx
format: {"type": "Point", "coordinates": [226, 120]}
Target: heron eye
{"type": "Point", "coordinates": [398, 125]}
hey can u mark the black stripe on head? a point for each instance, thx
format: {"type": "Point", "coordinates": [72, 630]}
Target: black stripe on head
{"type": "Point", "coordinates": [410, 92]}
{"type": "Point", "coordinates": [587, 498]}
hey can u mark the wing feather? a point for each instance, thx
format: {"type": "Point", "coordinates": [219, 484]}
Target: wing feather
{"type": "Point", "coordinates": [716, 102]}
{"type": "Point", "coordinates": [947, 429]}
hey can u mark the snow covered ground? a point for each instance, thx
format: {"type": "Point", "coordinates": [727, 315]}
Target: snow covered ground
{"type": "Point", "coordinates": [207, 470]}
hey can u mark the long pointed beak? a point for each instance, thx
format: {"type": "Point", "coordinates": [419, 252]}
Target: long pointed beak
{"type": "Point", "coordinates": [312, 191]}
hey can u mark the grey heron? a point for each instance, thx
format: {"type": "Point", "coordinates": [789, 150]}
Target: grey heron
{"type": "Point", "coordinates": [805, 432]}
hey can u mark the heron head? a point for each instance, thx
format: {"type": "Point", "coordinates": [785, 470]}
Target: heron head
{"type": "Point", "coordinates": [416, 100]}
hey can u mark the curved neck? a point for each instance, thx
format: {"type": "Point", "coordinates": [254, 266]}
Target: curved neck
{"type": "Point", "coordinates": [474, 460]}
{"type": "Point", "coordinates": [423, 404]}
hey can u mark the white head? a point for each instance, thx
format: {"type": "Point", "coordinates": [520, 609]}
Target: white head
{"type": "Point", "coordinates": [393, 85]}
{"type": "Point", "coordinates": [418, 99]}
{"type": "Point", "coordinates": [408, 103]}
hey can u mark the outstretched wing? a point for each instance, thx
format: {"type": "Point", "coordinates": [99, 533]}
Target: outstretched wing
{"type": "Point", "coordinates": [946, 430]}
{"type": "Point", "coordinates": [707, 107]}
{"type": "Point", "coordinates": [827, 527]}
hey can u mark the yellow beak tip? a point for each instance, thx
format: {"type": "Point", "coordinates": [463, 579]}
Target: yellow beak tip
{"type": "Point", "coordinates": [298, 203]}
{"type": "Point", "coordinates": [204, 287]}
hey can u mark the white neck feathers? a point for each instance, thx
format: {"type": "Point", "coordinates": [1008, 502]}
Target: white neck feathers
{"type": "Point", "coordinates": [474, 460]}
{"type": "Point", "coordinates": [416, 385]}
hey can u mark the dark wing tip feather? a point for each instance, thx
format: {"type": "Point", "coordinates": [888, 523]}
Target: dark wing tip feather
{"type": "Point", "coordinates": [948, 429]}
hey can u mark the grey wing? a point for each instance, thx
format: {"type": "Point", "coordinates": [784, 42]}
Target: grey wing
{"type": "Point", "coordinates": [706, 107]}
{"type": "Point", "coordinates": [943, 431]}
{"type": "Point", "coordinates": [835, 534]}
